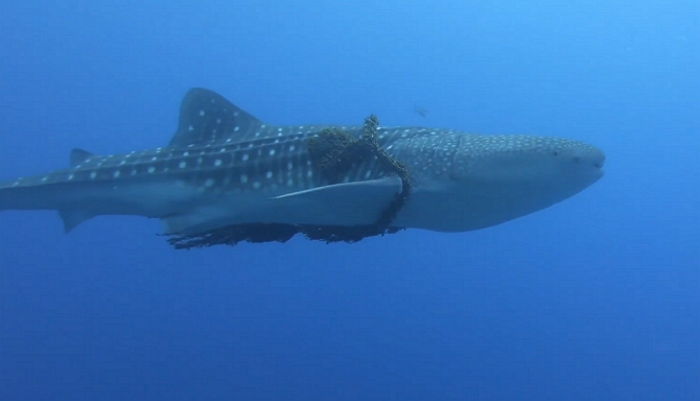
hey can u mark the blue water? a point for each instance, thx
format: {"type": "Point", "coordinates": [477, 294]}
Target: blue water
{"type": "Point", "coordinates": [596, 298]}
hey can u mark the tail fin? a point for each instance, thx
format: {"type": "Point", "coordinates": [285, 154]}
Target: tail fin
{"type": "Point", "coordinates": [25, 198]}
{"type": "Point", "coordinates": [10, 197]}
{"type": "Point", "coordinates": [16, 195]}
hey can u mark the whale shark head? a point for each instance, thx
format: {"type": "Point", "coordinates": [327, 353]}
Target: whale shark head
{"type": "Point", "coordinates": [493, 179]}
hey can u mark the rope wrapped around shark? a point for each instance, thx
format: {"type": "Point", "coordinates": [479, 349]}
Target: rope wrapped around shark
{"type": "Point", "coordinates": [334, 152]}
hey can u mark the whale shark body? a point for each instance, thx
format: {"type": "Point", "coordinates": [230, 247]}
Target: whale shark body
{"type": "Point", "coordinates": [224, 169]}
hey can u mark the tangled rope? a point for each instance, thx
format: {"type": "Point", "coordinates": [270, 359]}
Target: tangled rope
{"type": "Point", "coordinates": [334, 152]}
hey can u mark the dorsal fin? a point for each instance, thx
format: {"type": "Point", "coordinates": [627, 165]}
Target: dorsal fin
{"type": "Point", "coordinates": [206, 116]}
{"type": "Point", "coordinates": [77, 156]}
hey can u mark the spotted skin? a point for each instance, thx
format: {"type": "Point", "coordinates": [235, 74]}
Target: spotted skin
{"type": "Point", "coordinates": [224, 166]}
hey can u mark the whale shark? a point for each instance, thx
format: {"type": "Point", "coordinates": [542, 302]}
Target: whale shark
{"type": "Point", "coordinates": [227, 176]}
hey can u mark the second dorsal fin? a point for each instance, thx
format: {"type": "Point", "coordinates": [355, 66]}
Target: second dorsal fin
{"type": "Point", "coordinates": [206, 116]}
{"type": "Point", "coordinates": [77, 156]}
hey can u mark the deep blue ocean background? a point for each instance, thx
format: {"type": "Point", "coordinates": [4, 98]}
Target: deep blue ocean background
{"type": "Point", "coordinates": [596, 298]}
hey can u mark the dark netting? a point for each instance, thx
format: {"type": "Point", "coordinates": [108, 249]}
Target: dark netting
{"type": "Point", "coordinates": [231, 235]}
{"type": "Point", "coordinates": [261, 232]}
{"type": "Point", "coordinates": [334, 152]}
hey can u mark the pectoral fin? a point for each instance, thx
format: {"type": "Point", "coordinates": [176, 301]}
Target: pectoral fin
{"type": "Point", "coordinates": [348, 204]}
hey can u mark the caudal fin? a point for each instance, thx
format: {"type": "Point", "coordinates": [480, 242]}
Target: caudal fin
{"type": "Point", "coordinates": [27, 198]}
{"type": "Point", "coordinates": [11, 197]}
